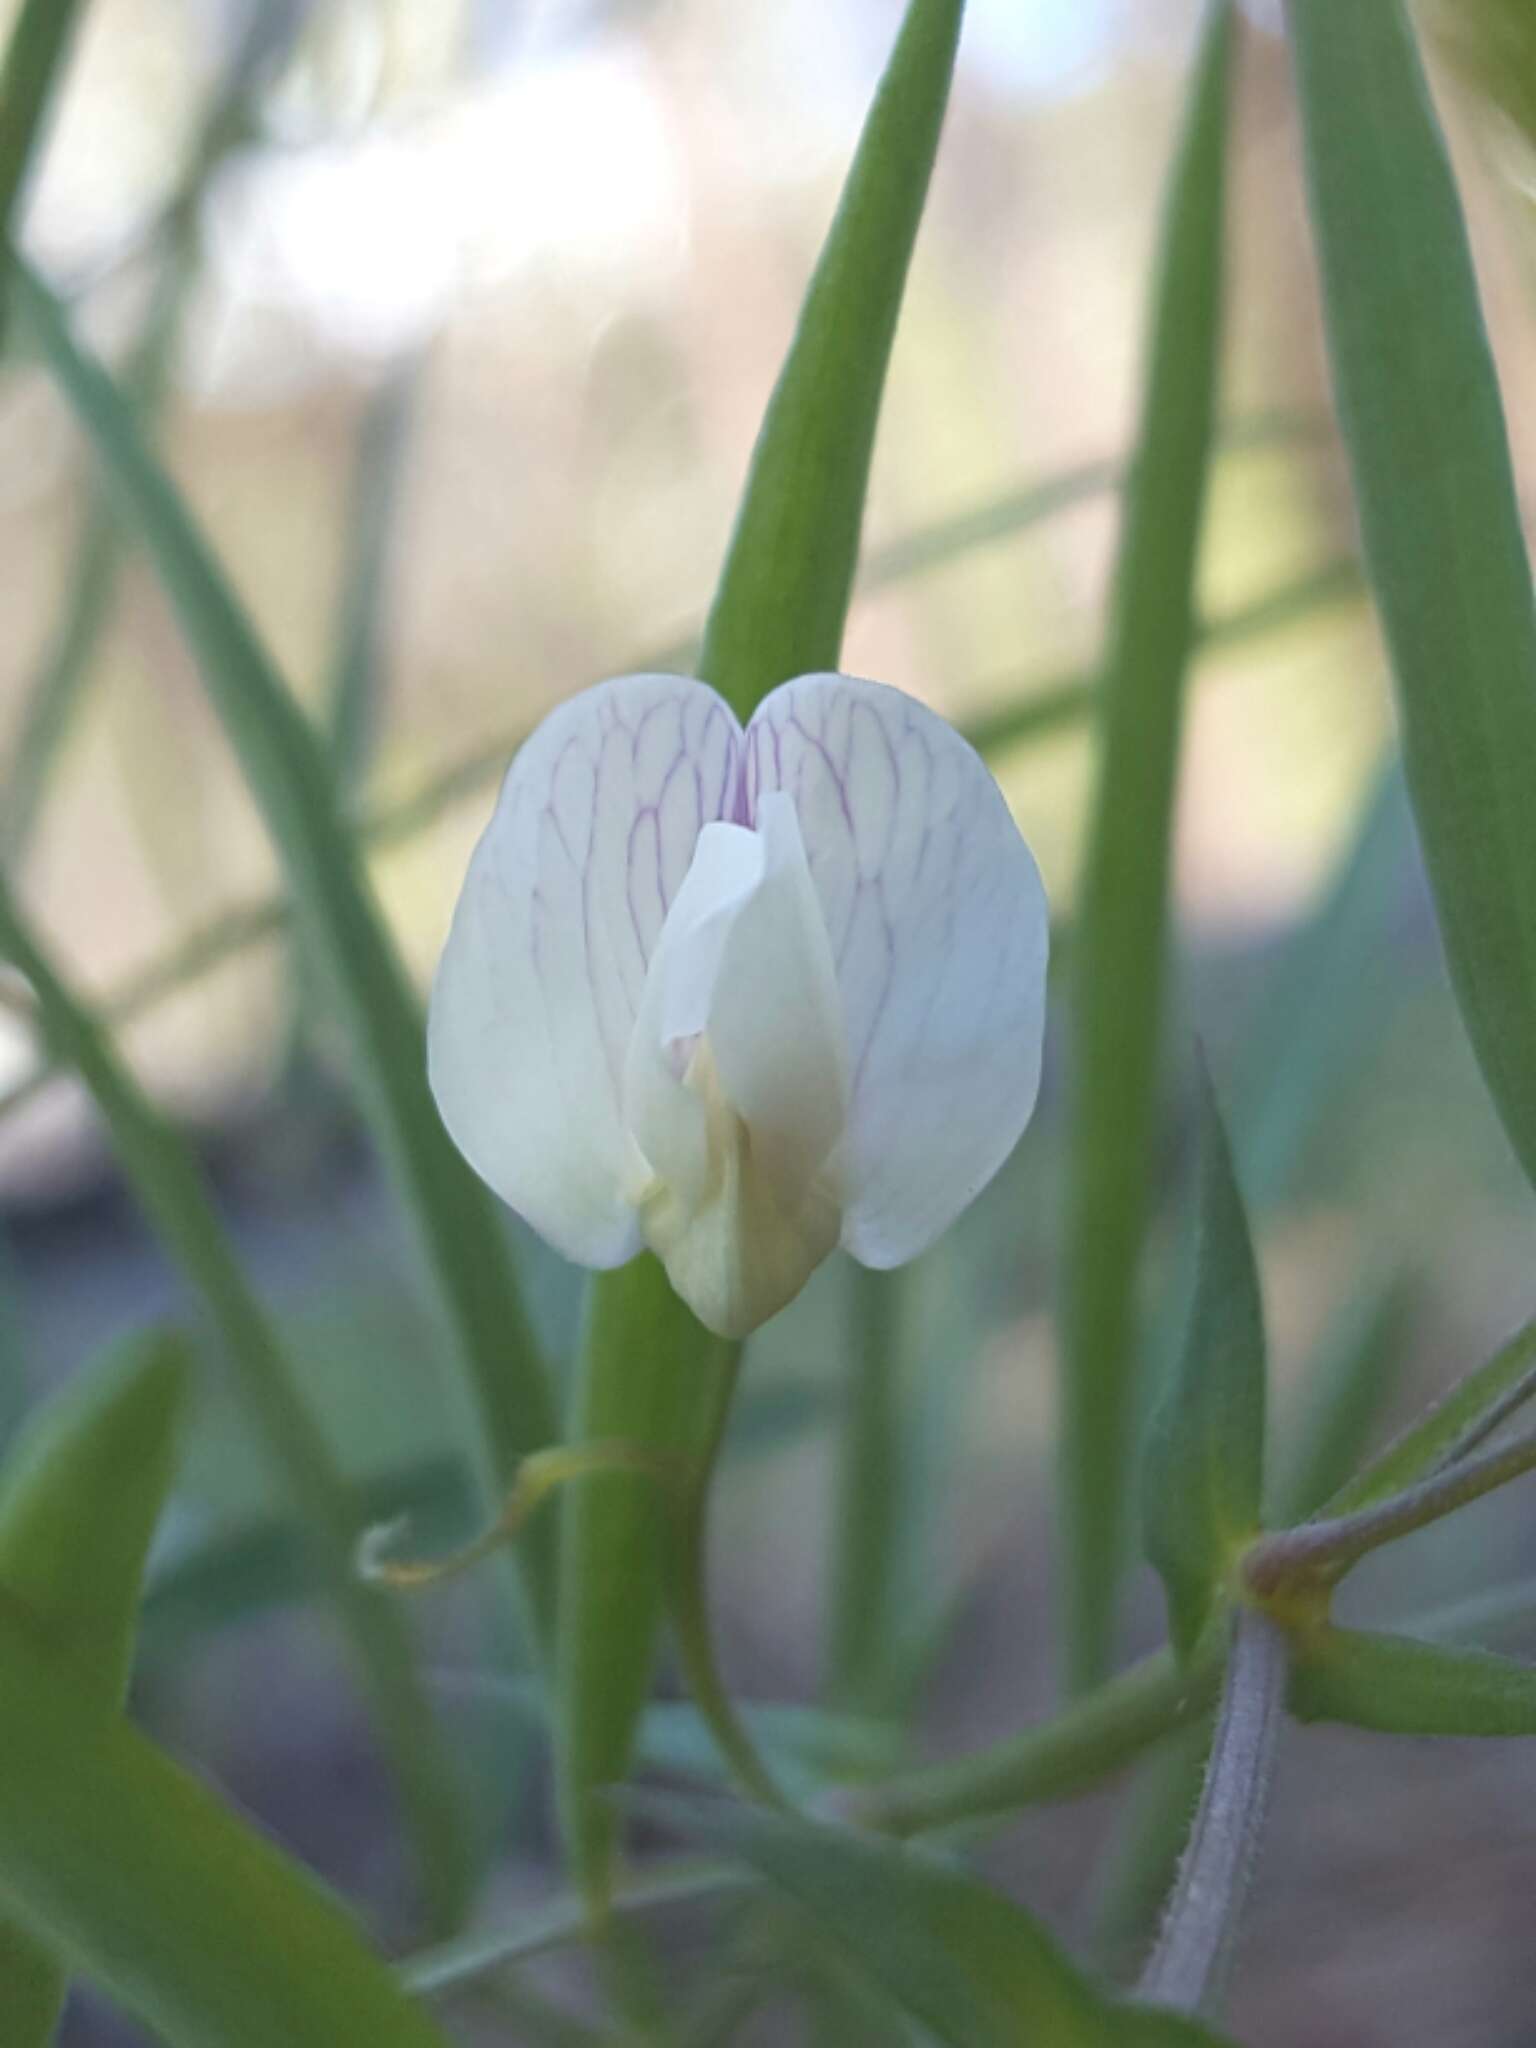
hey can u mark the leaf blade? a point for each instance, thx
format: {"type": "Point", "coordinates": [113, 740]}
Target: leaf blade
{"type": "Point", "coordinates": [1118, 973]}
{"type": "Point", "coordinates": [137, 1875]}
{"type": "Point", "coordinates": [499, 1388]}
{"type": "Point", "coordinates": [784, 588]}
{"type": "Point", "coordinates": [952, 1954]}
{"type": "Point", "coordinates": [168, 1186]}
{"type": "Point", "coordinates": [1418, 400]}
{"type": "Point", "coordinates": [1203, 1471]}
{"type": "Point", "coordinates": [1398, 1685]}
{"type": "Point", "coordinates": [80, 1494]}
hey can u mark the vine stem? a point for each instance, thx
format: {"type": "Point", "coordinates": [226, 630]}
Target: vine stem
{"type": "Point", "coordinates": [1325, 1550]}
{"type": "Point", "coordinates": [1188, 1968]}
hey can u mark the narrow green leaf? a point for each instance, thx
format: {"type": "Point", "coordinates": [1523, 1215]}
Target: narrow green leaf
{"type": "Point", "coordinates": [1295, 1052]}
{"type": "Point", "coordinates": [647, 1371]}
{"type": "Point", "coordinates": [948, 1951]}
{"type": "Point", "coordinates": [1039, 708]}
{"type": "Point", "coordinates": [14, 1377]}
{"type": "Point", "coordinates": [136, 1875]}
{"type": "Point", "coordinates": [1003, 517]}
{"type": "Point", "coordinates": [1418, 400]}
{"type": "Point", "coordinates": [559, 1923]}
{"type": "Point", "coordinates": [80, 1494]}
{"type": "Point", "coordinates": [29, 79]}
{"type": "Point", "coordinates": [54, 695]}
{"type": "Point", "coordinates": [1118, 972]}
{"type": "Point", "coordinates": [372, 521]}
{"type": "Point", "coordinates": [1350, 1381]}
{"type": "Point", "coordinates": [168, 1185]}
{"type": "Point", "coordinates": [1203, 1472]}
{"type": "Point", "coordinates": [500, 1388]}
{"type": "Point", "coordinates": [1483, 1399]}
{"type": "Point", "coordinates": [1400, 1686]}
{"type": "Point", "coordinates": [783, 592]}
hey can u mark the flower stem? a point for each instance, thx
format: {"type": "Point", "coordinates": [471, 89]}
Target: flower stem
{"type": "Point", "coordinates": [1325, 1550]}
{"type": "Point", "coordinates": [688, 1595]}
{"type": "Point", "coordinates": [1188, 1968]}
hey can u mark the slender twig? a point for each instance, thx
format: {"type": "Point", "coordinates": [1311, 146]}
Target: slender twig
{"type": "Point", "coordinates": [1188, 1968]}
{"type": "Point", "coordinates": [1325, 1550]}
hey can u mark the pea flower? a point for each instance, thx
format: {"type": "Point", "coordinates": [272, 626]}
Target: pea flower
{"type": "Point", "coordinates": [742, 996]}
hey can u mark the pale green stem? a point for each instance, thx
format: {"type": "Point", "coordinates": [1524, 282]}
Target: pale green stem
{"type": "Point", "coordinates": [689, 1598]}
{"type": "Point", "coordinates": [1094, 1737]}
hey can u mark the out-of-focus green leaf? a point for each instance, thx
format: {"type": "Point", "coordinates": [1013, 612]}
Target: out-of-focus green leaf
{"type": "Point", "coordinates": [1118, 969]}
{"type": "Point", "coordinates": [645, 1371]}
{"type": "Point", "coordinates": [1000, 518]}
{"type": "Point", "coordinates": [1349, 1383]}
{"type": "Point", "coordinates": [1418, 400]}
{"type": "Point", "coordinates": [1203, 1470]}
{"type": "Point", "coordinates": [1295, 1052]}
{"type": "Point", "coordinates": [499, 1387]}
{"type": "Point", "coordinates": [1047, 707]}
{"type": "Point", "coordinates": [54, 694]}
{"type": "Point", "coordinates": [170, 1188]}
{"type": "Point", "coordinates": [13, 1346]}
{"type": "Point", "coordinates": [783, 592]}
{"type": "Point", "coordinates": [1400, 1686]}
{"type": "Point", "coordinates": [29, 77]}
{"type": "Point", "coordinates": [137, 1877]}
{"type": "Point", "coordinates": [967, 1964]}
{"type": "Point", "coordinates": [1493, 44]}
{"type": "Point", "coordinates": [557, 1923]}
{"type": "Point", "coordinates": [809, 1746]}
{"type": "Point", "coordinates": [80, 1495]}
{"type": "Point", "coordinates": [1481, 1401]}
{"type": "Point", "coordinates": [373, 500]}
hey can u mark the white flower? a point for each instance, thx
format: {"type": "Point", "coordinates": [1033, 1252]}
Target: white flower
{"type": "Point", "coordinates": [742, 996]}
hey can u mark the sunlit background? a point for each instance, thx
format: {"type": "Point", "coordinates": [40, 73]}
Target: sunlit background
{"type": "Point", "coordinates": [456, 322]}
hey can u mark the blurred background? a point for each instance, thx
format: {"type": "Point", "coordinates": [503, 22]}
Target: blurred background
{"type": "Point", "coordinates": [455, 321]}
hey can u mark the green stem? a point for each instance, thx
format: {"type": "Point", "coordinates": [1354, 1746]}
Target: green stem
{"type": "Point", "coordinates": [689, 1599]}
{"type": "Point", "coordinates": [869, 1455]}
{"type": "Point", "coordinates": [1097, 1735]}
{"type": "Point", "coordinates": [1324, 1551]}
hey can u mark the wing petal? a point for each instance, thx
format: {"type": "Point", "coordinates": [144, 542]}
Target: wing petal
{"type": "Point", "coordinates": [537, 990]}
{"type": "Point", "coordinates": [939, 933]}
